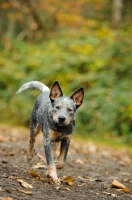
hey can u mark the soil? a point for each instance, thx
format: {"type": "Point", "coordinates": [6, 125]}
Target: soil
{"type": "Point", "coordinates": [88, 173]}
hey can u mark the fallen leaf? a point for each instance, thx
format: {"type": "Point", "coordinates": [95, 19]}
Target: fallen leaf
{"type": "Point", "coordinates": [40, 178]}
{"type": "Point", "coordinates": [120, 186]}
{"type": "Point", "coordinates": [26, 191]}
{"type": "Point", "coordinates": [45, 180]}
{"type": "Point", "coordinates": [24, 184]}
{"type": "Point", "coordinates": [119, 190]}
{"type": "Point", "coordinates": [107, 193]}
{"type": "Point", "coordinates": [38, 166]}
{"type": "Point", "coordinates": [79, 161]}
{"type": "Point", "coordinates": [69, 180]}
{"type": "Point", "coordinates": [114, 195]}
{"type": "Point", "coordinates": [117, 184]}
{"type": "Point", "coordinates": [33, 173]}
{"type": "Point", "coordinates": [126, 190]}
{"type": "Point", "coordinates": [71, 183]}
{"type": "Point", "coordinates": [66, 188]}
{"type": "Point", "coordinates": [110, 194]}
{"type": "Point", "coordinates": [7, 153]}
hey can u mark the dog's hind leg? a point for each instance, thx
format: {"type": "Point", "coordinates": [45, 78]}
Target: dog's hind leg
{"type": "Point", "coordinates": [34, 131]}
{"type": "Point", "coordinates": [63, 152]}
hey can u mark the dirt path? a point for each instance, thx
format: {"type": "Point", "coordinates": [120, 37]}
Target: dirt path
{"type": "Point", "coordinates": [88, 173]}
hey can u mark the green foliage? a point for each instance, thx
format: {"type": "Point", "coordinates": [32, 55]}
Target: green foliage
{"type": "Point", "coordinates": [50, 41]}
{"type": "Point", "coordinates": [100, 62]}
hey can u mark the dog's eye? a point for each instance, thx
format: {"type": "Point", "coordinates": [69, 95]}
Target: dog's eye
{"type": "Point", "coordinates": [57, 107]}
{"type": "Point", "coordinates": [69, 110]}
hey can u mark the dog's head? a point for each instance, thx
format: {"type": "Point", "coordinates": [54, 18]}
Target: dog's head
{"type": "Point", "coordinates": [64, 108]}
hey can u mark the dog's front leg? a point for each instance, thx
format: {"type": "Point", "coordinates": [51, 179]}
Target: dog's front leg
{"type": "Point", "coordinates": [63, 151]}
{"type": "Point", "coordinates": [48, 144]}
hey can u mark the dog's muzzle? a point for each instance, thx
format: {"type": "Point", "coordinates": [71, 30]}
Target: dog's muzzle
{"type": "Point", "coordinates": [61, 119]}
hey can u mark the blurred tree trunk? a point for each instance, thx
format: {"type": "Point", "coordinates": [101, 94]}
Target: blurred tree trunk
{"type": "Point", "coordinates": [117, 12]}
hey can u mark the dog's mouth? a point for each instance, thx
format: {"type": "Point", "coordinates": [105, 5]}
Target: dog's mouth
{"type": "Point", "coordinates": [60, 123]}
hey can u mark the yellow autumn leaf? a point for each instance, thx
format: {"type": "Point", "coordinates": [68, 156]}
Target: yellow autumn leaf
{"type": "Point", "coordinates": [69, 180]}
{"type": "Point", "coordinates": [26, 191]}
{"type": "Point", "coordinates": [33, 173]}
{"type": "Point", "coordinates": [71, 183]}
{"type": "Point", "coordinates": [24, 184]}
{"type": "Point", "coordinates": [38, 166]}
{"type": "Point", "coordinates": [117, 184]}
{"type": "Point", "coordinates": [126, 190]}
{"type": "Point", "coordinates": [66, 188]}
{"type": "Point", "coordinates": [43, 180]}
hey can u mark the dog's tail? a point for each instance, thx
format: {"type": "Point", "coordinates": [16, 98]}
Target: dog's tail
{"type": "Point", "coordinates": [33, 84]}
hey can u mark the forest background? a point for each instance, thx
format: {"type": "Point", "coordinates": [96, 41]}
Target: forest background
{"type": "Point", "coordinates": [79, 43]}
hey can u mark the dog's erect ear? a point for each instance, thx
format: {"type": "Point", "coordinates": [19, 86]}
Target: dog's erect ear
{"type": "Point", "coordinates": [55, 91]}
{"type": "Point", "coordinates": [78, 96]}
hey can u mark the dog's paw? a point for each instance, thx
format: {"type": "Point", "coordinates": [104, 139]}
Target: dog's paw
{"type": "Point", "coordinates": [51, 173]}
{"type": "Point", "coordinates": [60, 165]}
{"type": "Point", "coordinates": [30, 155]}
{"type": "Point", "coordinates": [55, 181]}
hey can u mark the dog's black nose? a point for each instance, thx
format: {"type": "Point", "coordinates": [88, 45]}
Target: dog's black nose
{"type": "Point", "coordinates": [61, 118]}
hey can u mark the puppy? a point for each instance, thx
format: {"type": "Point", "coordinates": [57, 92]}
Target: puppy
{"type": "Point", "coordinates": [54, 114]}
